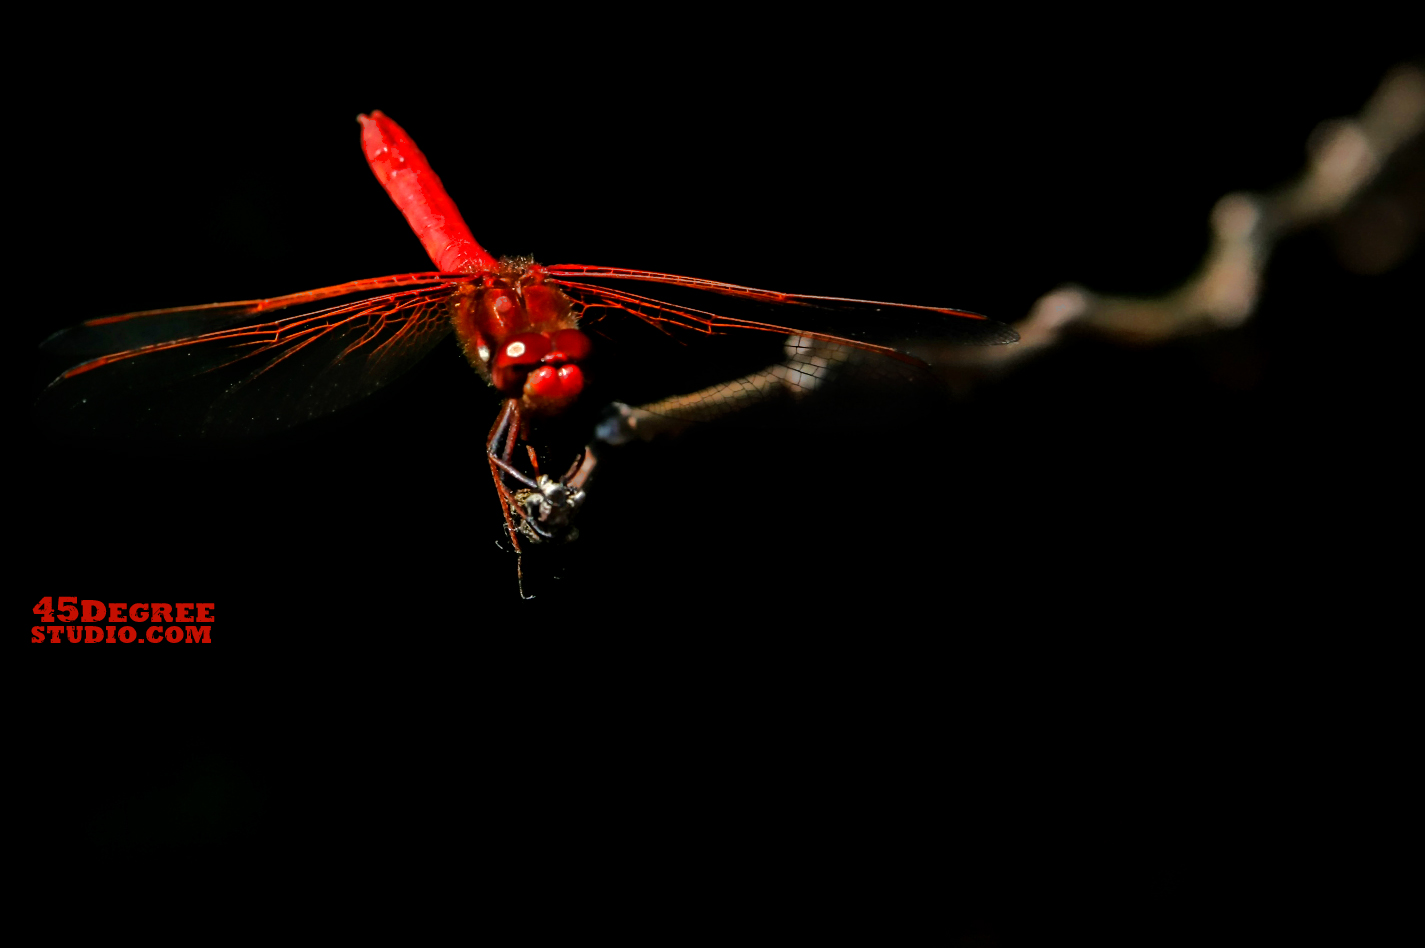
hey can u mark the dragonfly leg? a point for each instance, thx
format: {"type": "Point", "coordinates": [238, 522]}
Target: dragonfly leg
{"type": "Point", "coordinates": [501, 441]}
{"type": "Point", "coordinates": [581, 470]}
{"type": "Point", "coordinates": [542, 508]}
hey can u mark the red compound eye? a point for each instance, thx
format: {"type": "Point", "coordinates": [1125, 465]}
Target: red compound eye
{"type": "Point", "coordinates": [502, 309]}
{"type": "Point", "coordinates": [544, 304]}
{"type": "Point", "coordinates": [517, 354]}
{"type": "Point", "coordinates": [572, 344]}
{"type": "Point", "coordinates": [527, 348]}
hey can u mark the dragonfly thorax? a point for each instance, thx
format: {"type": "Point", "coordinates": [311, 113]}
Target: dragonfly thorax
{"type": "Point", "coordinates": [521, 334]}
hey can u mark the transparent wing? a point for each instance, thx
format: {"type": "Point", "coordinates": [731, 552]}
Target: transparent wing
{"type": "Point", "coordinates": [115, 334]}
{"type": "Point", "coordinates": [709, 306]}
{"type": "Point", "coordinates": [872, 349]}
{"type": "Point", "coordinates": [226, 370]}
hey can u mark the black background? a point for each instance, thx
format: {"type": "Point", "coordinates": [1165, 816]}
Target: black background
{"type": "Point", "coordinates": [1067, 666]}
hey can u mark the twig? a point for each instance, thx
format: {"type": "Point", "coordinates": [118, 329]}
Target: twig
{"type": "Point", "coordinates": [1345, 155]}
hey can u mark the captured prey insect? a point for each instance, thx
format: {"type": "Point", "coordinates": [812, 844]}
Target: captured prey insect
{"type": "Point", "coordinates": [272, 363]}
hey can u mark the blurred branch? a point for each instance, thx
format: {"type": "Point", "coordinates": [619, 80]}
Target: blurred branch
{"type": "Point", "coordinates": [1344, 157]}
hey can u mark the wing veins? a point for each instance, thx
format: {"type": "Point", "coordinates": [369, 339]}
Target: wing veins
{"type": "Point", "coordinates": [710, 323]}
{"type": "Point", "coordinates": [283, 331]}
{"type": "Point", "coordinates": [744, 292]}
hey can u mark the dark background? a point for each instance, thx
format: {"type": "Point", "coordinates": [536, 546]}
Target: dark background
{"type": "Point", "coordinates": [1054, 698]}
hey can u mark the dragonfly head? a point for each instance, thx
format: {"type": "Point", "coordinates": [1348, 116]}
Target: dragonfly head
{"type": "Point", "coordinates": [521, 334]}
{"type": "Point", "coordinates": [541, 368]}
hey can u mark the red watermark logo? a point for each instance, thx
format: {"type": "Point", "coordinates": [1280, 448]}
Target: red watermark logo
{"type": "Point", "coordinates": [174, 622]}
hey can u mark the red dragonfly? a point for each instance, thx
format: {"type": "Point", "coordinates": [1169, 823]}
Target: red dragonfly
{"type": "Point", "coordinates": [280, 361]}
